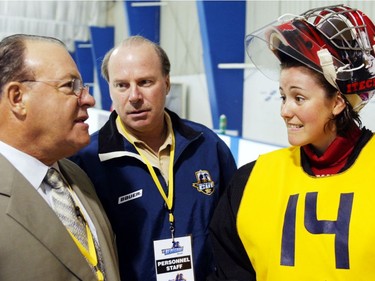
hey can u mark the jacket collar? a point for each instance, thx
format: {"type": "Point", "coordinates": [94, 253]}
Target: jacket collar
{"type": "Point", "coordinates": [113, 145]}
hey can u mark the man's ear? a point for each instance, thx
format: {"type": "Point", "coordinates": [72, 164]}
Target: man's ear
{"type": "Point", "coordinates": [339, 106]}
{"type": "Point", "coordinates": [14, 95]}
{"type": "Point", "coordinates": [168, 83]}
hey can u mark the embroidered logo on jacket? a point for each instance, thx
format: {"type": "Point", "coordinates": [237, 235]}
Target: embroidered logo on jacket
{"type": "Point", "coordinates": [204, 182]}
{"type": "Point", "coordinates": [130, 196]}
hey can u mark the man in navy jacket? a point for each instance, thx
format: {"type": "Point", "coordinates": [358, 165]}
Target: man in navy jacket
{"type": "Point", "coordinates": [157, 175]}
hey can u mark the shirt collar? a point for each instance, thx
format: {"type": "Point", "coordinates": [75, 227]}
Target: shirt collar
{"type": "Point", "coordinates": [31, 168]}
{"type": "Point", "coordinates": [168, 140]}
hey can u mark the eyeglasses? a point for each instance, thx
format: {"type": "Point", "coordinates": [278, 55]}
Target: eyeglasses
{"type": "Point", "coordinates": [74, 86]}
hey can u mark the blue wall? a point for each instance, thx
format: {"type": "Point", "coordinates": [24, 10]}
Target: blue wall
{"type": "Point", "coordinates": [222, 26]}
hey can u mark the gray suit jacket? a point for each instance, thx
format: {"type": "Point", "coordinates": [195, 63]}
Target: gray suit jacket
{"type": "Point", "coordinates": [34, 244]}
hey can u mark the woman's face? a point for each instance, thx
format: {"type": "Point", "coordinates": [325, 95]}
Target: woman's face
{"type": "Point", "coordinates": [306, 108]}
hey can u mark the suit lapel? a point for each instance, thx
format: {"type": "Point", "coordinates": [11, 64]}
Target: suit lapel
{"type": "Point", "coordinates": [30, 210]}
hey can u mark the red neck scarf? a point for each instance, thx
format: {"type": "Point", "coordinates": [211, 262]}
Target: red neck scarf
{"type": "Point", "coordinates": [336, 155]}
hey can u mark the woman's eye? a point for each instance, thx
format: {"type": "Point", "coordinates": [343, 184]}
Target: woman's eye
{"type": "Point", "coordinates": [300, 99]}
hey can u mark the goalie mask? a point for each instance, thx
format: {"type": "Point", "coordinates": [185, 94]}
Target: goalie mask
{"type": "Point", "coordinates": [336, 41]}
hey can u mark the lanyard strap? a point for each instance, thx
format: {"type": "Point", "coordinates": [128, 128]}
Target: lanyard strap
{"type": "Point", "coordinates": [89, 254]}
{"type": "Point", "coordinates": [168, 199]}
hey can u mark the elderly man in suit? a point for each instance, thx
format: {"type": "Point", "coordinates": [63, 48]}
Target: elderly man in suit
{"type": "Point", "coordinates": [43, 108]}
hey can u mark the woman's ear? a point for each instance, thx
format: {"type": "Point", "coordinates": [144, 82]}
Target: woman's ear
{"type": "Point", "coordinates": [339, 105]}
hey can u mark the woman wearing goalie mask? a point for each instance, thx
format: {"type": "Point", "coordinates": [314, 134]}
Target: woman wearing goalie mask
{"type": "Point", "coordinates": [306, 212]}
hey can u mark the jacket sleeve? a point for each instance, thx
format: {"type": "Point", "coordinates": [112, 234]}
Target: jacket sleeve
{"type": "Point", "coordinates": [231, 260]}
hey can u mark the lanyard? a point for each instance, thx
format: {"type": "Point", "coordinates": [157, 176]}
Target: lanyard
{"type": "Point", "coordinates": [89, 254]}
{"type": "Point", "coordinates": [167, 199]}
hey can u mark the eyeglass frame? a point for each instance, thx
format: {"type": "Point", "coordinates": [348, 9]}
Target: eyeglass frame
{"type": "Point", "coordinates": [77, 92]}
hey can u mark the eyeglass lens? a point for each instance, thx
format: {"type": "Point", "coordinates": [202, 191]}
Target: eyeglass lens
{"type": "Point", "coordinates": [77, 87]}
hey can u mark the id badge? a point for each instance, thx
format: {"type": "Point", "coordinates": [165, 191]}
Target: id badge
{"type": "Point", "coordinates": [174, 259]}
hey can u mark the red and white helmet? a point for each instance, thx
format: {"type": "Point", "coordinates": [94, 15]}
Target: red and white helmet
{"type": "Point", "coordinates": [337, 41]}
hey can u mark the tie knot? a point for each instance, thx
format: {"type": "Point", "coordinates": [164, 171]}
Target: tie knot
{"type": "Point", "coordinates": [54, 179]}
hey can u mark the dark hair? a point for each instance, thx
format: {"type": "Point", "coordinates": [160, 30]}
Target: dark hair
{"type": "Point", "coordinates": [347, 118]}
{"type": "Point", "coordinates": [136, 41]}
{"type": "Point", "coordinates": [12, 57]}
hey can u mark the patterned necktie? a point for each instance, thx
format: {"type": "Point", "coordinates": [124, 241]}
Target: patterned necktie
{"type": "Point", "coordinates": [64, 207]}
{"type": "Point", "coordinates": [70, 214]}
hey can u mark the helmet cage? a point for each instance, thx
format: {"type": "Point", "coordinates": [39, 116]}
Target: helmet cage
{"type": "Point", "coordinates": [344, 27]}
{"type": "Point", "coordinates": [336, 41]}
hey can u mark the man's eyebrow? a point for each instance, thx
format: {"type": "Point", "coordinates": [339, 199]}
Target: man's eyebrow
{"type": "Point", "coordinates": [118, 80]}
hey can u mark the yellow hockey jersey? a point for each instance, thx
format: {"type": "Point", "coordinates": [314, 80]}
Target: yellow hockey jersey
{"type": "Point", "coordinates": [298, 227]}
